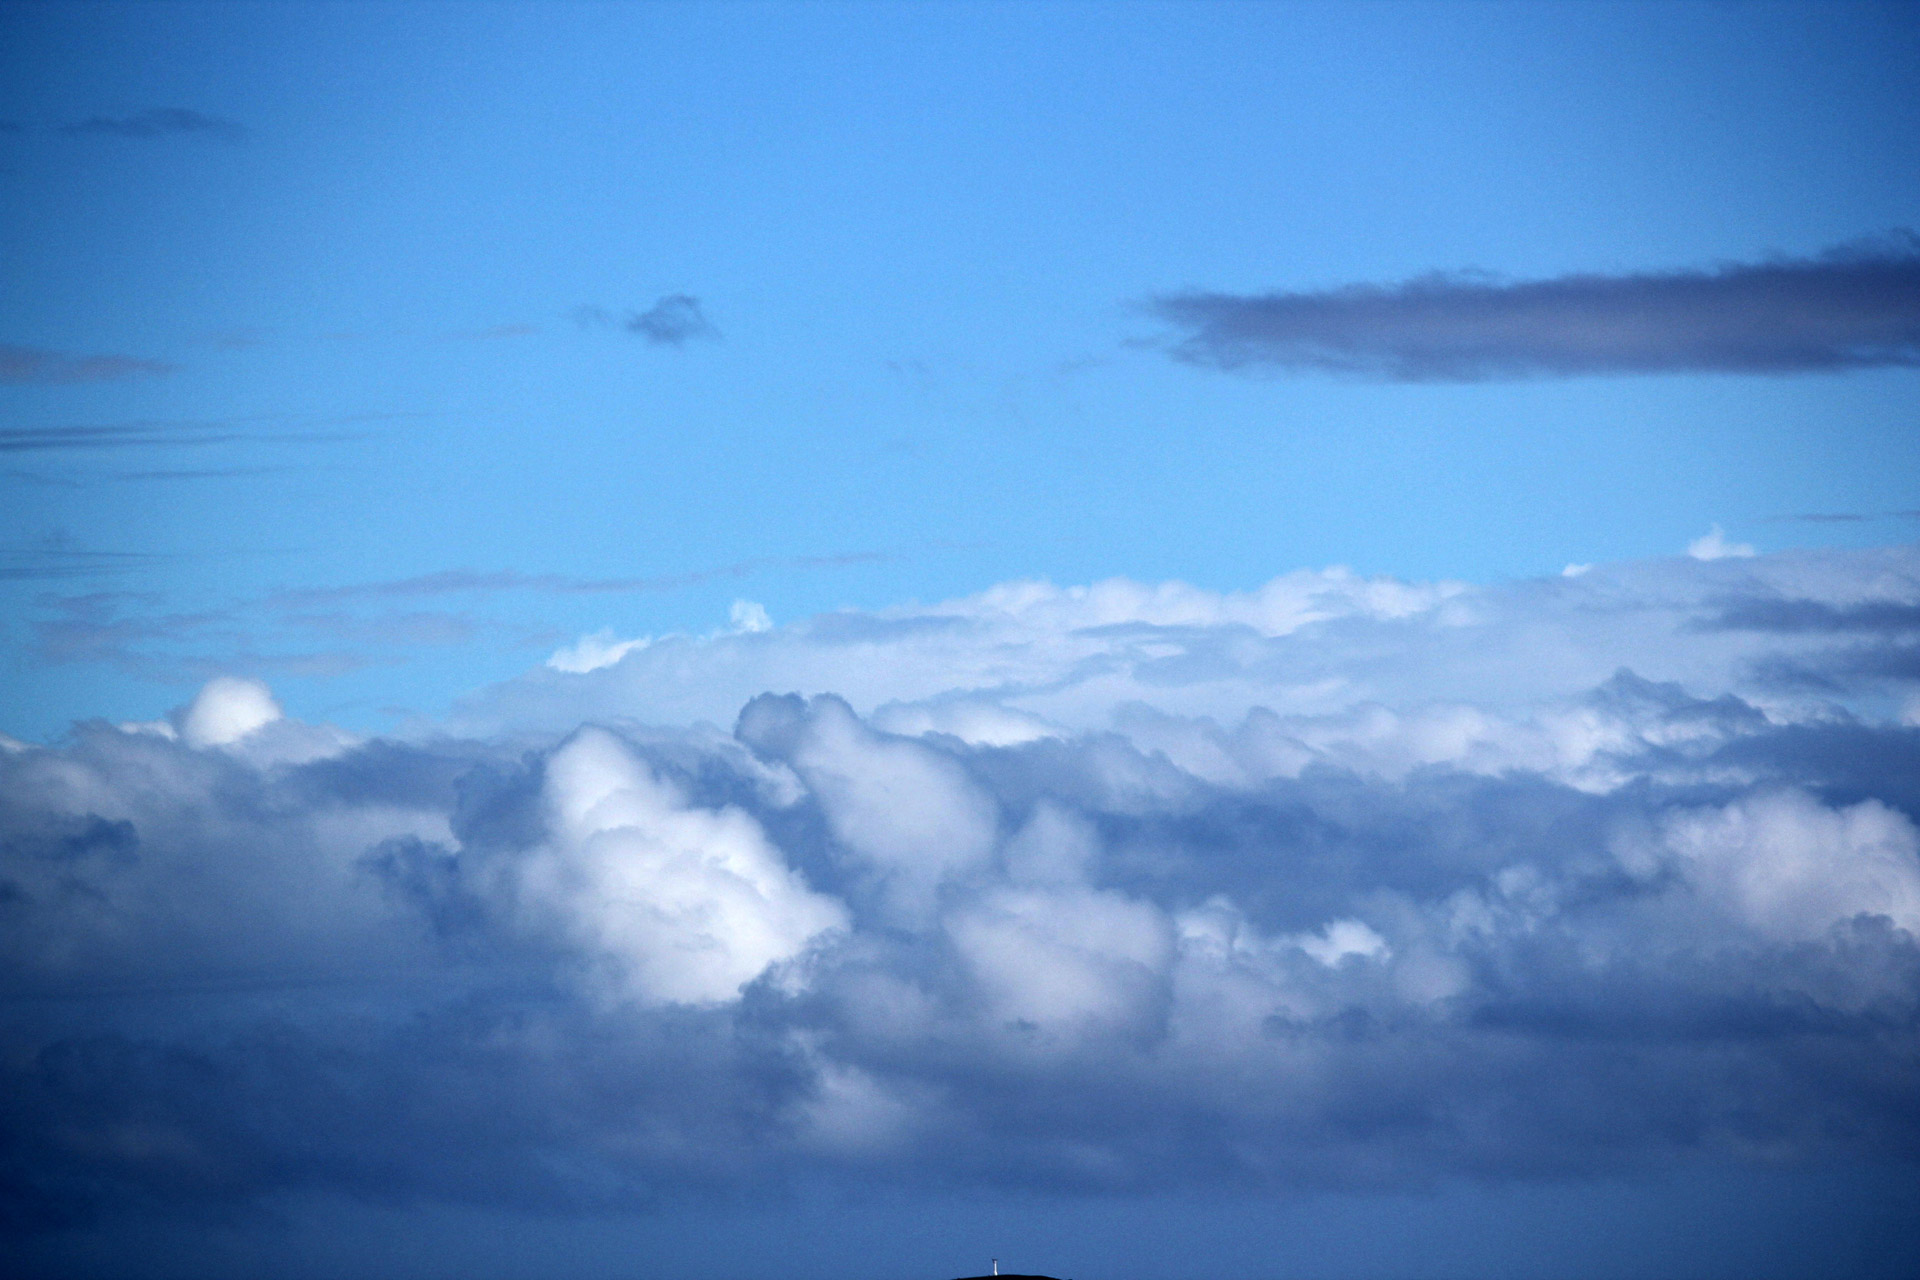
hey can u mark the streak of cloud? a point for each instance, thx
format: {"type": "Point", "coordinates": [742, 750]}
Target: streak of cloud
{"type": "Point", "coordinates": [34, 366]}
{"type": "Point", "coordinates": [151, 434]}
{"type": "Point", "coordinates": [462, 581]}
{"type": "Point", "coordinates": [1854, 307]}
{"type": "Point", "coordinates": [157, 122]}
{"type": "Point", "coordinates": [58, 558]}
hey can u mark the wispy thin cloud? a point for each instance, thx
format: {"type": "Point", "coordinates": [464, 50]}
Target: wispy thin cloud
{"type": "Point", "coordinates": [134, 435]}
{"type": "Point", "coordinates": [463, 581]}
{"type": "Point", "coordinates": [1840, 517]}
{"type": "Point", "coordinates": [150, 434]}
{"type": "Point", "coordinates": [156, 122]}
{"type": "Point", "coordinates": [57, 559]}
{"type": "Point", "coordinates": [28, 366]}
{"type": "Point", "coordinates": [493, 333]}
{"type": "Point", "coordinates": [1854, 307]}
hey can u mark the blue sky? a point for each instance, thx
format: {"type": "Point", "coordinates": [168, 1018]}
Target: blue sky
{"type": "Point", "coordinates": [1157, 444]}
{"type": "Point", "coordinates": [926, 237]}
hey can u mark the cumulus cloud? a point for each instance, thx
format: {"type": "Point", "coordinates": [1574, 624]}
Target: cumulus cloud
{"type": "Point", "coordinates": [683, 904]}
{"type": "Point", "coordinates": [1857, 306]}
{"type": "Point", "coordinates": [227, 709]}
{"type": "Point", "coordinates": [1339, 882]}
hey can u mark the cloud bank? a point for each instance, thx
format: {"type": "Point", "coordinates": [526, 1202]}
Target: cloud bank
{"type": "Point", "coordinates": [1854, 307]}
{"type": "Point", "coordinates": [1338, 883]}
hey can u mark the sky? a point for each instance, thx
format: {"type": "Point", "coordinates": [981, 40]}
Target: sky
{"type": "Point", "coordinates": [1144, 639]}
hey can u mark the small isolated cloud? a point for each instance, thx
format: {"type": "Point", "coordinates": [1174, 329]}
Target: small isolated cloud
{"type": "Point", "coordinates": [1854, 307]}
{"type": "Point", "coordinates": [673, 321]}
{"type": "Point", "coordinates": [24, 366]}
{"type": "Point", "coordinates": [156, 122]}
{"type": "Point", "coordinates": [1713, 545]}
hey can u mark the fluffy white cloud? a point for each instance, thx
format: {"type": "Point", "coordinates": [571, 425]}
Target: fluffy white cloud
{"type": "Point", "coordinates": [677, 903]}
{"type": "Point", "coordinates": [1793, 868]}
{"type": "Point", "coordinates": [227, 709]}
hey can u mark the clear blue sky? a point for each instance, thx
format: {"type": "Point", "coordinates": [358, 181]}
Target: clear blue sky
{"type": "Point", "coordinates": [925, 235]}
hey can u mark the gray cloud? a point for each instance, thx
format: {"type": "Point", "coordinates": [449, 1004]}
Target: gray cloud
{"type": "Point", "coordinates": [673, 321]}
{"type": "Point", "coordinates": [25, 366]}
{"type": "Point", "coordinates": [1128, 978]}
{"type": "Point", "coordinates": [1339, 884]}
{"type": "Point", "coordinates": [1791, 615]}
{"type": "Point", "coordinates": [156, 122]}
{"type": "Point", "coordinates": [1854, 307]}
{"type": "Point", "coordinates": [162, 433]}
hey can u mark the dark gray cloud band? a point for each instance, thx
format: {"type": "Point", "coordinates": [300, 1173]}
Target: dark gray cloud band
{"type": "Point", "coordinates": [1854, 307]}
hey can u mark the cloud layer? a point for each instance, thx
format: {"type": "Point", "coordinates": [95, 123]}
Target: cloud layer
{"type": "Point", "coordinates": [1854, 307]}
{"type": "Point", "coordinates": [1338, 883]}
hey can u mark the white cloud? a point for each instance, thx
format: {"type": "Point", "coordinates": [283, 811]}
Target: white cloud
{"type": "Point", "coordinates": [909, 816]}
{"type": "Point", "coordinates": [1343, 940]}
{"type": "Point", "coordinates": [748, 617]}
{"type": "Point", "coordinates": [1791, 868]}
{"type": "Point", "coordinates": [227, 709]}
{"type": "Point", "coordinates": [1065, 961]}
{"type": "Point", "coordinates": [1713, 545]}
{"type": "Point", "coordinates": [1429, 673]}
{"type": "Point", "coordinates": [678, 903]}
{"type": "Point", "coordinates": [592, 652]}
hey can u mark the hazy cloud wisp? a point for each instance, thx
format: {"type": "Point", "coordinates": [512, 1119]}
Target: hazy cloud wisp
{"type": "Point", "coordinates": [26, 366]}
{"type": "Point", "coordinates": [157, 122]}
